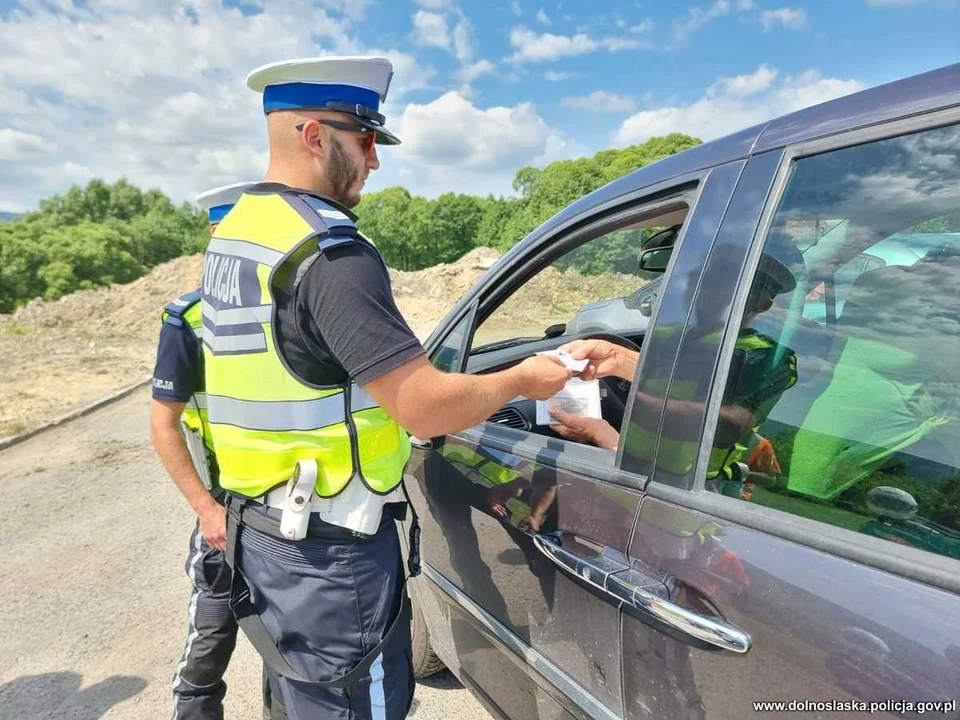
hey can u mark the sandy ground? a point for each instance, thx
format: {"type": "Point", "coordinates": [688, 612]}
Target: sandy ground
{"type": "Point", "coordinates": [94, 600]}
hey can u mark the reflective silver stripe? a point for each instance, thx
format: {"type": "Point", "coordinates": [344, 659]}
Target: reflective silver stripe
{"type": "Point", "coordinates": [360, 399]}
{"type": "Point", "coordinates": [246, 250]}
{"type": "Point", "coordinates": [276, 416]}
{"type": "Point", "coordinates": [238, 316]}
{"type": "Point", "coordinates": [234, 343]}
{"type": "Point", "coordinates": [333, 214]}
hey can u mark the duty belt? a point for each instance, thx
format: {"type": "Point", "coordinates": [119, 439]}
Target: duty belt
{"type": "Point", "coordinates": [241, 513]}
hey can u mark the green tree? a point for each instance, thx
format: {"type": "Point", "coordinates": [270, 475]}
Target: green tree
{"type": "Point", "coordinates": [90, 236]}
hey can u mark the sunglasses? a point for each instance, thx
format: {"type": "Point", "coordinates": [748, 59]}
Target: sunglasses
{"type": "Point", "coordinates": [368, 136]}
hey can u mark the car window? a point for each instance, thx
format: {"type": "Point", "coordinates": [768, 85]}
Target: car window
{"type": "Point", "coordinates": [841, 402]}
{"type": "Point", "coordinates": [449, 355]}
{"type": "Point", "coordinates": [595, 287]}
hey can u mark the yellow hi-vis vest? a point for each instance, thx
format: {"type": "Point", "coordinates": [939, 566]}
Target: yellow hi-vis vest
{"type": "Point", "coordinates": [185, 310]}
{"type": "Point", "coordinates": [264, 418]}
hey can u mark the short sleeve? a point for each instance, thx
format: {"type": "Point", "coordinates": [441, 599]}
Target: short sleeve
{"type": "Point", "coordinates": [349, 306]}
{"type": "Point", "coordinates": [177, 373]}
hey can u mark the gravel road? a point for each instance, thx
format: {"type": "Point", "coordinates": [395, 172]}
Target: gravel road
{"type": "Point", "coordinates": [94, 602]}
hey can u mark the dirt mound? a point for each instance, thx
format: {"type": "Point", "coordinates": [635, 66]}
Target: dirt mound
{"type": "Point", "coordinates": [115, 310]}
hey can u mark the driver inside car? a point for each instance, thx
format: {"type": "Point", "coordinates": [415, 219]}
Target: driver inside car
{"type": "Point", "coordinates": [762, 371]}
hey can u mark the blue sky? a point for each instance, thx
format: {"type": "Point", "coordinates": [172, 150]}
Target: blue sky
{"type": "Point", "coordinates": [153, 89]}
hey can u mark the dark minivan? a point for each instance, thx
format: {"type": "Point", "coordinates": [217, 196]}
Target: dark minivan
{"type": "Point", "coordinates": [779, 526]}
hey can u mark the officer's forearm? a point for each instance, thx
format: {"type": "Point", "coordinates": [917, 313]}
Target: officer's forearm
{"type": "Point", "coordinates": [429, 403]}
{"type": "Point", "coordinates": [461, 401]}
{"type": "Point", "coordinates": [172, 449]}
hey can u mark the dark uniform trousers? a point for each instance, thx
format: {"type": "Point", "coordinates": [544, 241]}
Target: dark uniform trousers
{"type": "Point", "coordinates": [326, 601]}
{"type": "Point", "coordinates": [198, 686]}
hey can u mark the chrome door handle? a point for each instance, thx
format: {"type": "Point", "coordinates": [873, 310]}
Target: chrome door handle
{"type": "Point", "coordinates": [613, 573]}
{"type": "Point", "coordinates": [421, 443]}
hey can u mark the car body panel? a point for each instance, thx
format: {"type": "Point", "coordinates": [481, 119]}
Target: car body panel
{"type": "Point", "coordinates": [473, 499]}
{"type": "Point", "coordinates": [934, 90]}
{"type": "Point", "coordinates": [823, 627]}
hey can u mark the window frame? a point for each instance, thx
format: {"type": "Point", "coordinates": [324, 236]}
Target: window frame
{"type": "Point", "coordinates": [909, 562]}
{"type": "Point", "coordinates": [601, 465]}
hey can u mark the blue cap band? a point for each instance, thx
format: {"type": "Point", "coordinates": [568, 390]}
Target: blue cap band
{"type": "Point", "coordinates": [218, 212]}
{"type": "Point", "coordinates": [293, 96]}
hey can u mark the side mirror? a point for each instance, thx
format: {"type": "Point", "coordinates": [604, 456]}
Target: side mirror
{"type": "Point", "coordinates": [655, 260]}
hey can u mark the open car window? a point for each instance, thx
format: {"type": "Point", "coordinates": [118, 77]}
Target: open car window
{"type": "Point", "coordinates": [595, 287]}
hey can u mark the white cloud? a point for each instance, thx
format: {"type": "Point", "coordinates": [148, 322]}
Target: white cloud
{"type": "Point", "coordinates": [790, 18]}
{"type": "Point", "coordinates": [463, 41]}
{"type": "Point", "coordinates": [744, 5]}
{"type": "Point", "coordinates": [732, 104]}
{"type": "Point", "coordinates": [643, 26]}
{"type": "Point", "coordinates": [468, 73]}
{"type": "Point", "coordinates": [437, 155]}
{"type": "Point", "coordinates": [697, 17]}
{"type": "Point", "coordinates": [16, 145]}
{"type": "Point", "coordinates": [149, 91]}
{"type": "Point", "coordinates": [600, 101]}
{"type": "Point", "coordinates": [542, 17]}
{"type": "Point", "coordinates": [744, 85]}
{"type": "Point", "coordinates": [430, 29]}
{"type": "Point", "coordinates": [533, 47]}
{"type": "Point", "coordinates": [498, 137]}
{"type": "Point", "coordinates": [557, 76]}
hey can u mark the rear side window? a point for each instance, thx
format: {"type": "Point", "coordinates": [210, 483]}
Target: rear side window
{"type": "Point", "coordinates": [843, 400]}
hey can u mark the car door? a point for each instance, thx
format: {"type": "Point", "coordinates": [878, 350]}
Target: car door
{"type": "Point", "coordinates": [519, 527]}
{"type": "Point", "coordinates": [820, 571]}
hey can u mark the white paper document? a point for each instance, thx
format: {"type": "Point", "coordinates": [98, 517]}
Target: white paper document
{"type": "Point", "coordinates": [567, 359]}
{"type": "Point", "coordinates": [578, 397]}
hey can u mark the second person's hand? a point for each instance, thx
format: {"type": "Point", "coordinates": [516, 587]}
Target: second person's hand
{"type": "Point", "coordinates": [605, 358]}
{"type": "Point", "coordinates": [541, 377]}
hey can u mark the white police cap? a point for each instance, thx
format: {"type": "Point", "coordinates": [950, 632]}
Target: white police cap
{"type": "Point", "coordinates": [219, 201]}
{"type": "Point", "coordinates": [352, 85]}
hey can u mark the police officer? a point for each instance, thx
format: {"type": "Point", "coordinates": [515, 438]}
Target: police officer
{"type": "Point", "coordinates": [312, 376]}
{"type": "Point", "coordinates": [181, 436]}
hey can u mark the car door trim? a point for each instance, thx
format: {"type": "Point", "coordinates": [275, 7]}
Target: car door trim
{"type": "Point", "coordinates": [527, 655]}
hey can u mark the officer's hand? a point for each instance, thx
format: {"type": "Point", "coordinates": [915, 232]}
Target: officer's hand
{"type": "Point", "coordinates": [213, 525]}
{"type": "Point", "coordinates": [605, 359]}
{"type": "Point", "coordinates": [541, 377]}
{"type": "Point", "coordinates": [586, 430]}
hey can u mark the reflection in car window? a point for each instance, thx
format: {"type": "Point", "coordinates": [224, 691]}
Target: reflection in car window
{"type": "Point", "coordinates": [847, 369]}
{"type": "Point", "coordinates": [596, 287]}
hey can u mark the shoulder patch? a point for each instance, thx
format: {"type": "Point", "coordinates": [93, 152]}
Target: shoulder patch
{"type": "Point", "coordinates": [175, 310]}
{"type": "Point", "coordinates": [332, 217]}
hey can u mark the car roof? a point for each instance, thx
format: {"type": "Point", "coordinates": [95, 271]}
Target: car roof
{"type": "Point", "coordinates": [934, 90]}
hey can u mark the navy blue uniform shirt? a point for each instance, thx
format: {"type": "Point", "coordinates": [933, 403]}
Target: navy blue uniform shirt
{"type": "Point", "coordinates": [178, 372]}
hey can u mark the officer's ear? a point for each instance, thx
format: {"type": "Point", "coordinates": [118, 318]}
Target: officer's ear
{"type": "Point", "coordinates": [311, 137]}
